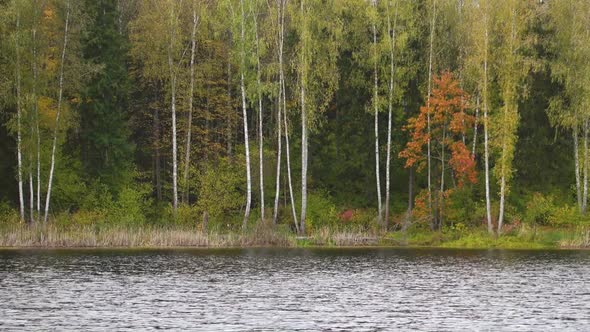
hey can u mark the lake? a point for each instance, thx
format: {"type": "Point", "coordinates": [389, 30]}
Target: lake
{"type": "Point", "coordinates": [294, 290]}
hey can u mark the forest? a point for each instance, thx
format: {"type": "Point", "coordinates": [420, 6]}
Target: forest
{"type": "Point", "coordinates": [433, 120]}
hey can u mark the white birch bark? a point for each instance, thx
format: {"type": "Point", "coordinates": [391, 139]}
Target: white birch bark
{"type": "Point", "coordinates": [59, 105]}
{"type": "Point", "coordinates": [391, 31]}
{"type": "Point", "coordinates": [303, 126]}
{"type": "Point", "coordinates": [18, 119]}
{"type": "Point", "coordinates": [486, 126]}
{"type": "Point", "coordinates": [288, 153]}
{"type": "Point", "coordinates": [187, 157]}
{"type": "Point", "coordinates": [428, 144]}
{"type": "Point", "coordinates": [475, 123]}
{"type": "Point", "coordinates": [586, 162]}
{"type": "Point", "coordinates": [376, 126]}
{"type": "Point", "coordinates": [577, 168]}
{"type": "Point", "coordinates": [36, 109]}
{"type": "Point", "coordinates": [173, 109]}
{"type": "Point", "coordinates": [245, 117]}
{"type": "Point", "coordinates": [260, 133]}
{"type": "Point", "coordinates": [280, 14]}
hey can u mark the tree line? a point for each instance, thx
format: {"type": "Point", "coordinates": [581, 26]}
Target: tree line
{"type": "Point", "coordinates": [439, 111]}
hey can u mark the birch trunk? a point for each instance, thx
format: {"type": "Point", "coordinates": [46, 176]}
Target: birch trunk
{"type": "Point", "coordinates": [187, 157]}
{"type": "Point", "coordinates": [18, 120]}
{"type": "Point", "coordinates": [428, 144]}
{"type": "Point", "coordinates": [31, 190]}
{"type": "Point", "coordinates": [288, 154]}
{"type": "Point", "coordinates": [303, 128]}
{"type": "Point", "coordinates": [376, 110]}
{"type": "Point", "coordinates": [577, 169]}
{"type": "Point", "coordinates": [245, 117]}
{"type": "Point", "coordinates": [36, 109]}
{"type": "Point", "coordinates": [283, 88]}
{"type": "Point", "coordinates": [260, 134]}
{"type": "Point", "coordinates": [391, 31]}
{"type": "Point", "coordinates": [485, 128]}
{"type": "Point", "coordinates": [586, 162]}
{"type": "Point", "coordinates": [229, 101]}
{"type": "Point", "coordinates": [475, 128]}
{"type": "Point", "coordinates": [442, 180]}
{"type": "Point", "coordinates": [173, 111]}
{"type": "Point", "coordinates": [59, 104]}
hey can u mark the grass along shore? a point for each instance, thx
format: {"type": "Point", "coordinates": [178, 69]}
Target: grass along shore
{"type": "Point", "coordinates": [50, 236]}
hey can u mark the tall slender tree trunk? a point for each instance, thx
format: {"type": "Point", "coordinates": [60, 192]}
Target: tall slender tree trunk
{"type": "Point", "coordinates": [229, 101]}
{"type": "Point", "coordinates": [18, 119]}
{"type": "Point", "coordinates": [157, 157]}
{"type": "Point", "coordinates": [59, 105]}
{"type": "Point", "coordinates": [486, 127]}
{"type": "Point", "coordinates": [509, 103]}
{"type": "Point", "coordinates": [303, 126]}
{"type": "Point", "coordinates": [36, 110]}
{"type": "Point", "coordinates": [245, 116]}
{"type": "Point", "coordinates": [442, 180]}
{"type": "Point", "coordinates": [428, 144]}
{"type": "Point", "coordinates": [173, 111]}
{"type": "Point", "coordinates": [275, 215]}
{"type": "Point", "coordinates": [260, 132]}
{"type": "Point", "coordinates": [586, 162]}
{"type": "Point", "coordinates": [31, 189]}
{"type": "Point", "coordinates": [187, 157]}
{"type": "Point", "coordinates": [577, 169]}
{"type": "Point", "coordinates": [376, 120]}
{"type": "Point", "coordinates": [288, 154]}
{"type": "Point", "coordinates": [475, 123]}
{"type": "Point", "coordinates": [391, 31]}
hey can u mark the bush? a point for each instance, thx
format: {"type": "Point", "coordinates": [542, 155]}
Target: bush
{"type": "Point", "coordinates": [129, 207]}
{"type": "Point", "coordinates": [539, 209]}
{"type": "Point", "coordinates": [220, 191]}
{"type": "Point", "coordinates": [8, 215]}
{"type": "Point", "coordinates": [568, 215]}
{"type": "Point", "coordinates": [460, 206]}
{"type": "Point", "coordinates": [321, 211]}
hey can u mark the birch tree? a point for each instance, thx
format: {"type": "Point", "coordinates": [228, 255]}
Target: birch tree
{"type": "Point", "coordinates": [400, 30]}
{"type": "Point", "coordinates": [375, 102]}
{"type": "Point", "coordinates": [58, 113]}
{"type": "Point", "coordinates": [245, 114]}
{"type": "Point", "coordinates": [571, 68]}
{"type": "Point", "coordinates": [480, 23]}
{"type": "Point", "coordinates": [187, 156]}
{"type": "Point", "coordinates": [19, 113]}
{"type": "Point", "coordinates": [281, 4]}
{"type": "Point", "coordinates": [157, 43]}
{"type": "Point", "coordinates": [511, 73]}
{"type": "Point", "coordinates": [319, 31]}
{"type": "Point", "coordinates": [429, 91]}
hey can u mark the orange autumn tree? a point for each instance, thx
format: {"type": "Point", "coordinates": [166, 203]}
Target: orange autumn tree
{"type": "Point", "coordinates": [449, 123]}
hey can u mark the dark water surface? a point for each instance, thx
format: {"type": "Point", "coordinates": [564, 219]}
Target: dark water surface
{"type": "Point", "coordinates": [295, 289]}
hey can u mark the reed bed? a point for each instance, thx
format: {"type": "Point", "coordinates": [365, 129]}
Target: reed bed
{"type": "Point", "coordinates": [53, 237]}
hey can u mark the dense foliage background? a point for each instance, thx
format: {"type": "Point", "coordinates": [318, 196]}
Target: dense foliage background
{"type": "Point", "coordinates": [135, 74]}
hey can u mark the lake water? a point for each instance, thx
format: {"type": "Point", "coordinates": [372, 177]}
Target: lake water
{"type": "Point", "coordinates": [295, 290]}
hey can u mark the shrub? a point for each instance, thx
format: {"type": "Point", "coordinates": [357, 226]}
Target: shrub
{"type": "Point", "coordinates": [220, 190]}
{"type": "Point", "coordinates": [568, 215]}
{"type": "Point", "coordinates": [539, 209]}
{"type": "Point", "coordinates": [128, 209]}
{"type": "Point", "coordinates": [8, 215]}
{"type": "Point", "coordinates": [321, 211]}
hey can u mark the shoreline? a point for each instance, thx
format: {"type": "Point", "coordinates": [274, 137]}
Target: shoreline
{"type": "Point", "coordinates": [179, 248]}
{"type": "Point", "coordinates": [50, 237]}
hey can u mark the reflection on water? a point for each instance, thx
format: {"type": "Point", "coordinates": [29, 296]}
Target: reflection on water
{"type": "Point", "coordinates": [295, 289]}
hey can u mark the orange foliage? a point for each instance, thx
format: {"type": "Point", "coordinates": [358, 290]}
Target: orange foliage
{"type": "Point", "coordinates": [449, 121]}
